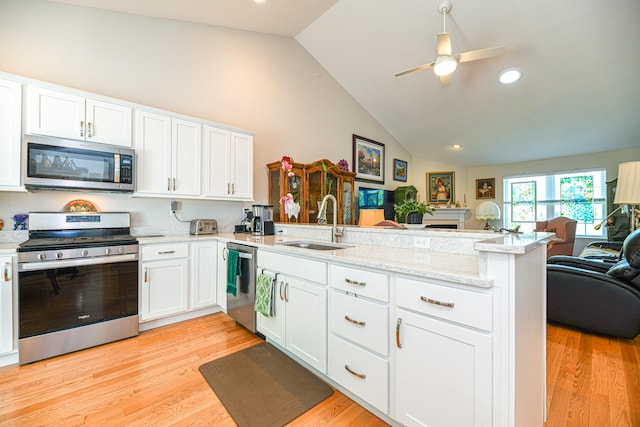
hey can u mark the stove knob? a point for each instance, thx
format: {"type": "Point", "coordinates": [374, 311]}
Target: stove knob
{"type": "Point", "coordinates": [42, 256]}
{"type": "Point", "coordinates": [84, 252]}
{"type": "Point", "coordinates": [107, 251]}
{"type": "Point", "coordinates": [59, 255]}
{"type": "Point", "coordinates": [120, 250]}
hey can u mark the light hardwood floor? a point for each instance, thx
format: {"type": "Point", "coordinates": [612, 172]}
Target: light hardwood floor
{"type": "Point", "coordinates": [153, 379]}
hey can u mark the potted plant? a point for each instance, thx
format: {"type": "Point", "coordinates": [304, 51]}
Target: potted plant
{"type": "Point", "coordinates": [413, 211]}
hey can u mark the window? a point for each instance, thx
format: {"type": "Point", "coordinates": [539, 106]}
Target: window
{"type": "Point", "coordinates": [578, 195]}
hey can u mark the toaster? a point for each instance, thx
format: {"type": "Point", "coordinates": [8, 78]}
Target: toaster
{"type": "Point", "coordinates": [203, 226]}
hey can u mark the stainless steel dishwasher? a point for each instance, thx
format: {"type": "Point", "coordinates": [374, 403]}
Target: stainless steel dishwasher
{"type": "Point", "coordinates": [241, 306]}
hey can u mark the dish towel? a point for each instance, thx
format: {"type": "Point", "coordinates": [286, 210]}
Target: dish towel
{"type": "Point", "coordinates": [265, 301]}
{"type": "Point", "coordinates": [233, 271]}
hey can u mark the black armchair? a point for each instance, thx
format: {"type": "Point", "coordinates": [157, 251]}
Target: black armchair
{"type": "Point", "coordinates": [597, 296]}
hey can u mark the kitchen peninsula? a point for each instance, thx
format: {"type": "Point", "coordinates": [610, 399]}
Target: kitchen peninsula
{"type": "Point", "coordinates": [433, 327]}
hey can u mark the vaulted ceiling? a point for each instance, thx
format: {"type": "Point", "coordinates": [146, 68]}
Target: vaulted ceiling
{"type": "Point", "coordinates": [580, 91]}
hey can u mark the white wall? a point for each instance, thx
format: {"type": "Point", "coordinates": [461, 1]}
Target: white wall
{"type": "Point", "coordinates": [267, 84]}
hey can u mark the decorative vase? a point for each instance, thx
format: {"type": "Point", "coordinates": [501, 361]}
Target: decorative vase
{"type": "Point", "coordinates": [414, 218]}
{"type": "Point", "coordinates": [322, 214]}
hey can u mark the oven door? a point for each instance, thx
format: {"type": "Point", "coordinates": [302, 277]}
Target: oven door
{"type": "Point", "coordinates": [57, 295]}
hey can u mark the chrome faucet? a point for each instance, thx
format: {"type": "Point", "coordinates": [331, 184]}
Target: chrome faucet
{"type": "Point", "coordinates": [335, 232]}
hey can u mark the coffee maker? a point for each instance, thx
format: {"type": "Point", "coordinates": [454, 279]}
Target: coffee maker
{"type": "Point", "coordinates": [262, 221]}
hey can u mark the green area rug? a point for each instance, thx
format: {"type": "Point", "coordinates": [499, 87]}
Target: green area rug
{"type": "Point", "coordinates": [261, 386]}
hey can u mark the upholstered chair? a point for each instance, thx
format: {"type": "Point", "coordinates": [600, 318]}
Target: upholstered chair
{"type": "Point", "coordinates": [597, 296]}
{"type": "Point", "coordinates": [565, 229]}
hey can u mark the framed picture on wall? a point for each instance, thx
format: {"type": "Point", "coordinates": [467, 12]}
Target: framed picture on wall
{"type": "Point", "coordinates": [400, 169]}
{"type": "Point", "coordinates": [368, 160]}
{"type": "Point", "coordinates": [485, 188]}
{"type": "Point", "coordinates": [441, 187]}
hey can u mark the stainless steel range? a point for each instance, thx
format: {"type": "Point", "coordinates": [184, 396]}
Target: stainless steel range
{"type": "Point", "coordinates": [77, 283]}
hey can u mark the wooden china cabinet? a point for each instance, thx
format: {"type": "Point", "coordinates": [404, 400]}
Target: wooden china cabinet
{"type": "Point", "coordinates": [308, 185]}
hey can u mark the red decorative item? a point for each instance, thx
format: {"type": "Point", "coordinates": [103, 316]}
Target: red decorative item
{"type": "Point", "coordinates": [287, 165]}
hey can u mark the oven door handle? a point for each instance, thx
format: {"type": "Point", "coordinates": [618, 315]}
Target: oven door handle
{"type": "Point", "coordinates": [46, 265]}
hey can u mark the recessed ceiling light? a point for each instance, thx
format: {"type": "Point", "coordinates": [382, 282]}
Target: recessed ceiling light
{"type": "Point", "coordinates": [259, 1]}
{"type": "Point", "coordinates": [456, 147]}
{"type": "Point", "coordinates": [510, 76]}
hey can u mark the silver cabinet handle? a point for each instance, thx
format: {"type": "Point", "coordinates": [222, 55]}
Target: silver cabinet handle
{"type": "Point", "coordinates": [233, 188]}
{"type": "Point", "coordinates": [81, 128]}
{"type": "Point", "coordinates": [228, 188]}
{"type": "Point", "coordinates": [356, 374]}
{"type": "Point", "coordinates": [174, 184]}
{"type": "Point", "coordinates": [286, 292]}
{"type": "Point", "coordinates": [355, 322]}
{"type": "Point", "coordinates": [168, 184]}
{"type": "Point", "coordinates": [398, 343]}
{"type": "Point", "coordinates": [225, 251]}
{"type": "Point", "coordinates": [436, 302]}
{"type": "Point", "coordinates": [166, 252]}
{"type": "Point", "coordinates": [354, 282]}
{"type": "Point", "coordinates": [146, 275]}
{"type": "Point", "coordinates": [280, 291]}
{"type": "Point", "coordinates": [7, 277]}
{"type": "Point", "coordinates": [89, 130]}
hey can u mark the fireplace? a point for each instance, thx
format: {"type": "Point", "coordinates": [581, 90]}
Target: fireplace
{"type": "Point", "coordinates": [452, 218]}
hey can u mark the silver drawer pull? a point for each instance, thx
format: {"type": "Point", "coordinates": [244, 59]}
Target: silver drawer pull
{"type": "Point", "coordinates": [356, 374]}
{"type": "Point", "coordinates": [355, 322]}
{"type": "Point", "coordinates": [6, 272]}
{"type": "Point", "coordinates": [166, 252]}
{"type": "Point", "coordinates": [398, 343]}
{"type": "Point", "coordinates": [436, 302]}
{"type": "Point", "coordinates": [354, 282]}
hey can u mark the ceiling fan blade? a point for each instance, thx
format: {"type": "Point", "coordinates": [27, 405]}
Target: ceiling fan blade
{"type": "Point", "coordinates": [418, 68]}
{"type": "Point", "coordinates": [474, 55]}
{"type": "Point", "coordinates": [444, 44]}
{"type": "Point", "coordinates": [446, 80]}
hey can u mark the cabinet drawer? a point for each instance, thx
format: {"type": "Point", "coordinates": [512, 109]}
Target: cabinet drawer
{"type": "Point", "coordinates": [457, 305]}
{"type": "Point", "coordinates": [303, 268]}
{"type": "Point", "coordinates": [363, 373]}
{"type": "Point", "coordinates": [362, 282]}
{"type": "Point", "coordinates": [164, 251]}
{"type": "Point", "coordinates": [361, 321]}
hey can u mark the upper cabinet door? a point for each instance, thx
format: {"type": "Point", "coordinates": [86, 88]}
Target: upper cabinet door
{"type": "Point", "coordinates": [216, 149]}
{"type": "Point", "coordinates": [187, 157]}
{"type": "Point", "coordinates": [108, 123]}
{"type": "Point", "coordinates": [55, 113]}
{"type": "Point", "coordinates": [153, 153]}
{"type": "Point", "coordinates": [10, 133]}
{"type": "Point", "coordinates": [65, 115]}
{"type": "Point", "coordinates": [242, 164]}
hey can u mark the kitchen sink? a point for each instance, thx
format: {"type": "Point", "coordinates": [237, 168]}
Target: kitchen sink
{"type": "Point", "coordinates": [318, 246]}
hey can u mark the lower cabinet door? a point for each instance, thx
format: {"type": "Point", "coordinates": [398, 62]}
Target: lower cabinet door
{"type": "Point", "coordinates": [306, 323]}
{"type": "Point", "coordinates": [273, 327]}
{"type": "Point", "coordinates": [163, 288]}
{"type": "Point", "coordinates": [443, 373]}
{"type": "Point", "coordinates": [360, 371]}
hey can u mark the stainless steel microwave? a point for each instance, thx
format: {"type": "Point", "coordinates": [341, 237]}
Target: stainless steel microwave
{"type": "Point", "coordinates": [61, 164]}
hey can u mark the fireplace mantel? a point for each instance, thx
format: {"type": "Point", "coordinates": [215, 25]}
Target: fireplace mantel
{"type": "Point", "coordinates": [448, 216]}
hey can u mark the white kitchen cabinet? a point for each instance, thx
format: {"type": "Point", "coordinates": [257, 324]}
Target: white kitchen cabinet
{"type": "Point", "coordinates": [168, 155]}
{"type": "Point", "coordinates": [10, 133]}
{"type": "Point", "coordinates": [67, 115]}
{"type": "Point", "coordinates": [443, 370]}
{"type": "Point", "coordinates": [359, 333]}
{"type": "Point", "coordinates": [164, 275]}
{"type": "Point", "coordinates": [6, 304]}
{"type": "Point", "coordinates": [228, 164]}
{"type": "Point", "coordinates": [222, 276]}
{"type": "Point", "coordinates": [300, 321]}
{"type": "Point", "coordinates": [203, 273]}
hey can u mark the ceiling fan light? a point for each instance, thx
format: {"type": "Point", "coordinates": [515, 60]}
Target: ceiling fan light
{"type": "Point", "coordinates": [445, 65]}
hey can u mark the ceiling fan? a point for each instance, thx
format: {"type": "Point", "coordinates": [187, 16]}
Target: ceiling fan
{"type": "Point", "coordinates": [446, 62]}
